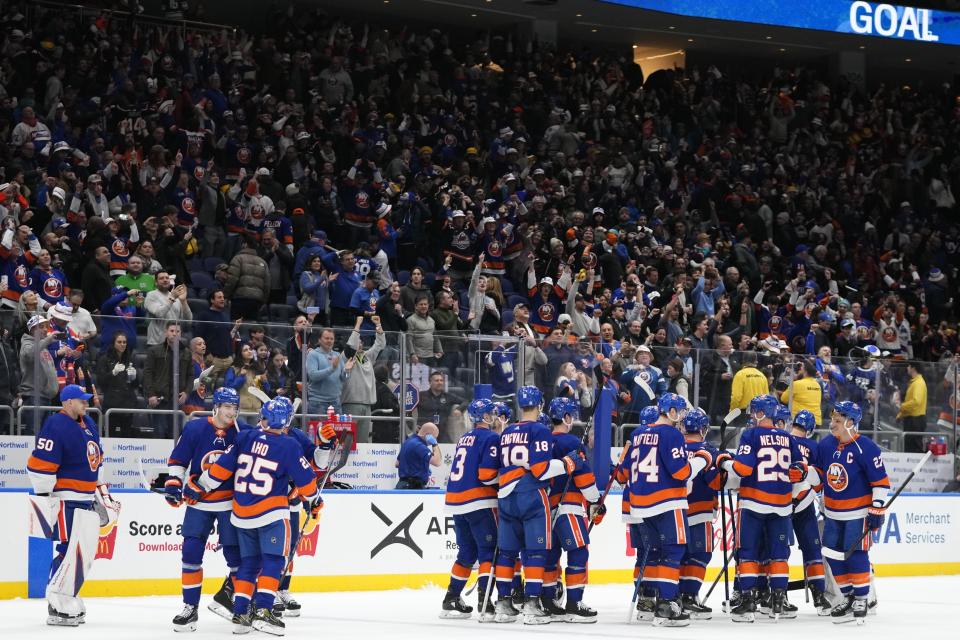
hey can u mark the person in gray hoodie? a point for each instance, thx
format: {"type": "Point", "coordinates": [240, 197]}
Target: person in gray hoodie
{"type": "Point", "coordinates": [359, 381]}
{"type": "Point", "coordinates": [42, 391]}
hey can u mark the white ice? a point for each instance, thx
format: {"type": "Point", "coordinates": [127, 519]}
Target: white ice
{"type": "Point", "coordinates": [909, 608]}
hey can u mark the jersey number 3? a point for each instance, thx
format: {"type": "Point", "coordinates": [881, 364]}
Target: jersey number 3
{"type": "Point", "coordinates": [253, 475]}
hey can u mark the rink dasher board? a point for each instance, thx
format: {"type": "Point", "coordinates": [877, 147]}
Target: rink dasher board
{"type": "Point", "coordinates": [370, 467]}
{"type": "Point", "coordinates": [369, 540]}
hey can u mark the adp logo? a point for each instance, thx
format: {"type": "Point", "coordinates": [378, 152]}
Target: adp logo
{"type": "Point", "coordinates": [107, 542]}
{"type": "Point", "coordinates": [307, 545]}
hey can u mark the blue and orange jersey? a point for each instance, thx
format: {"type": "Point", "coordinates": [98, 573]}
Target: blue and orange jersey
{"type": "Point", "coordinates": [805, 492]}
{"type": "Point", "coordinates": [16, 265]}
{"type": "Point", "coordinates": [199, 446]}
{"type": "Point", "coordinates": [763, 462]}
{"type": "Point", "coordinates": [503, 367]}
{"type": "Point", "coordinates": [544, 312]}
{"type": "Point", "coordinates": [491, 245]}
{"type": "Point", "coordinates": [50, 284]}
{"type": "Point", "coordinates": [66, 458]}
{"type": "Point", "coordinates": [120, 249]}
{"type": "Point", "coordinates": [235, 218]}
{"type": "Point", "coordinates": [262, 464]}
{"type": "Point", "coordinates": [655, 471]}
{"type": "Point", "coordinates": [473, 474]}
{"type": "Point", "coordinates": [526, 449]}
{"type": "Point", "coordinates": [853, 476]}
{"type": "Point", "coordinates": [702, 496]}
{"type": "Point", "coordinates": [281, 227]}
{"type": "Point", "coordinates": [583, 486]}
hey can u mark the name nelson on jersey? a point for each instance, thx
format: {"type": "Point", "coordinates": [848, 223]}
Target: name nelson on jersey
{"type": "Point", "coordinates": [774, 440]}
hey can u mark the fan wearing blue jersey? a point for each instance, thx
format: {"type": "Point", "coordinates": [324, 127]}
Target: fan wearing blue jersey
{"type": "Point", "coordinates": [807, 484]}
{"type": "Point", "coordinates": [762, 461]}
{"type": "Point", "coordinates": [656, 475]}
{"type": "Point", "coordinates": [285, 604]}
{"type": "Point", "coordinates": [526, 467]}
{"type": "Point", "coordinates": [260, 464]}
{"type": "Point", "coordinates": [472, 499]}
{"type": "Point", "coordinates": [573, 499]}
{"type": "Point", "coordinates": [201, 443]}
{"type": "Point", "coordinates": [854, 489]}
{"type": "Point", "coordinates": [701, 503]}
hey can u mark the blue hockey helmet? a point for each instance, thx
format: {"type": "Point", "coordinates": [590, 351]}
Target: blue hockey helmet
{"type": "Point", "coordinates": [529, 397]}
{"type": "Point", "coordinates": [226, 395]}
{"type": "Point", "coordinates": [276, 414]}
{"type": "Point", "coordinates": [805, 420]}
{"type": "Point", "coordinates": [849, 410]}
{"type": "Point", "coordinates": [649, 415]}
{"type": "Point", "coordinates": [696, 421]}
{"type": "Point", "coordinates": [671, 401]}
{"type": "Point", "coordinates": [479, 408]}
{"type": "Point", "coordinates": [559, 407]}
{"type": "Point", "coordinates": [782, 414]}
{"type": "Point", "coordinates": [502, 410]}
{"type": "Point", "coordinates": [283, 403]}
{"type": "Point", "coordinates": [765, 404]}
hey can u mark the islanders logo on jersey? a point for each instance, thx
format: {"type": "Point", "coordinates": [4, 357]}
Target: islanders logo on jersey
{"type": "Point", "coordinates": [52, 287]}
{"type": "Point", "coordinates": [244, 155]}
{"type": "Point", "coordinates": [362, 200]}
{"type": "Point", "coordinates": [210, 458]}
{"type": "Point", "coordinates": [188, 205]}
{"type": "Point", "coordinates": [495, 249]}
{"type": "Point", "coordinates": [837, 477]}
{"type": "Point", "coordinates": [199, 172]}
{"type": "Point", "coordinates": [460, 241]}
{"type": "Point", "coordinates": [119, 248]}
{"type": "Point", "coordinates": [589, 260]}
{"type": "Point", "coordinates": [94, 455]}
{"type": "Point", "coordinates": [546, 312]}
{"type": "Point", "coordinates": [22, 276]}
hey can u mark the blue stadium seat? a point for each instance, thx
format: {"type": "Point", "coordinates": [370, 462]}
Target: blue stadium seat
{"type": "Point", "coordinates": [195, 264]}
{"type": "Point", "coordinates": [403, 277]}
{"type": "Point", "coordinates": [210, 264]}
{"type": "Point", "coordinates": [202, 281]}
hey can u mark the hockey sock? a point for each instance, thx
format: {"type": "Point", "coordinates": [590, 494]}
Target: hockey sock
{"type": "Point", "coordinates": [763, 576]}
{"type": "Point", "coordinates": [858, 570]}
{"type": "Point", "coordinates": [550, 576]}
{"type": "Point", "coordinates": [191, 576]}
{"type": "Point", "coordinates": [747, 572]}
{"type": "Point", "coordinates": [814, 573]}
{"type": "Point", "coordinates": [294, 541]}
{"type": "Point", "coordinates": [459, 575]}
{"type": "Point", "coordinates": [779, 574]}
{"type": "Point", "coordinates": [268, 583]}
{"type": "Point", "coordinates": [231, 554]}
{"type": "Point", "coordinates": [692, 572]}
{"type": "Point", "coordinates": [484, 576]}
{"type": "Point", "coordinates": [533, 574]}
{"type": "Point", "coordinates": [576, 574]}
{"type": "Point", "coordinates": [839, 570]}
{"type": "Point", "coordinates": [668, 570]}
{"type": "Point", "coordinates": [505, 572]}
{"type": "Point", "coordinates": [517, 571]}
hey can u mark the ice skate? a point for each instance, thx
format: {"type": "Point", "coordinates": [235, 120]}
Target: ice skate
{"type": "Point", "coordinates": [222, 604]}
{"type": "Point", "coordinates": [646, 608]}
{"type": "Point", "coordinates": [843, 612]}
{"type": "Point", "coordinates": [533, 612]}
{"type": "Point", "coordinates": [454, 607]}
{"type": "Point", "coordinates": [670, 614]}
{"type": "Point", "coordinates": [241, 623]}
{"type": "Point", "coordinates": [578, 612]}
{"type": "Point", "coordinates": [550, 606]}
{"type": "Point", "coordinates": [58, 619]}
{"type": "Point", "coordinates": [695, 608]}
{"type": "Point", "coordinates": [746, 610]}
{"type": "Point", "coordinates": [265, 621]}
{"type": "Point", "coordinates": [291, 608]}
{"type": "Point", "coordinates": [186, 620]}
{"type": "Point", "coordinates": [505, 611]}
{"type": "Point", "coordinates": [820, 602]}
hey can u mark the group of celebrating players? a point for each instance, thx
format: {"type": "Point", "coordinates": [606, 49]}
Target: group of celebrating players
{"type": "Point", "coordinates": [522, 493]}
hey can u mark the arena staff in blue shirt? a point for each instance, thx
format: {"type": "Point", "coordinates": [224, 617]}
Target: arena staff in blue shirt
{"type": "Point", "coordinates": [417, 454]}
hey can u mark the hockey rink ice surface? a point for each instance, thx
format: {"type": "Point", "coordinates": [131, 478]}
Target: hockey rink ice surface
{"type": "Point", "coordinates": [909, 608]}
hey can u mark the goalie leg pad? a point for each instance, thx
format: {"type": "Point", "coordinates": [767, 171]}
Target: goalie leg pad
{"type": "Point", "coordinates": [74, 560]}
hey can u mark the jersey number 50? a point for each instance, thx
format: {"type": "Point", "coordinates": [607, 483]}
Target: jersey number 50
{"type": "Point", "coordinates": [260, 482]}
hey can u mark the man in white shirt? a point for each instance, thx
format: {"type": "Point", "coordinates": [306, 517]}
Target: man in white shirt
{"type": "Point", "coordinates": [164, 304]}
{"type": "Point", "coordinates": [82, 322]}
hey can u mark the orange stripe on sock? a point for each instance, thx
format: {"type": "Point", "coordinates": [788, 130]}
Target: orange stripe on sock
{"type": "Point", "coordinates": [504, 573]}
{"type": "Point", "coordinates": [859, 579]}
{"type": "Point", "coordinates": [460, 571]}
{"type": "Point", "coordinates": [576, 579]}
{"type": "Point", "coordinates": [268, 583]}
{"type": "Point", "coordinates": [485, 568]}
{"type": "Point", "coordinates": [242, 587]}
{"type": "Point", "coordinates": [192, 578]}
{"type": "Point", "coordinates": [815, 570]}
{"type": "Point", "coordinates": [533, 573]}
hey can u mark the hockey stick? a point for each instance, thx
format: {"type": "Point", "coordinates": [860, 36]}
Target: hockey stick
{"type": "Point", "coordinates": [341, 453]}
{"type": "Point", "coordinates": [727, 419]}
{"type": "Point", "coordinates": [836, 555]}
{"type": "Point", "coordinates": [728, 499]}
{"type": "Point", "coordinates": [490, 581]}
{"type": "Point", "coordinates": [637, 583]}
{"type": "Point", "coordinates": [566, 486]}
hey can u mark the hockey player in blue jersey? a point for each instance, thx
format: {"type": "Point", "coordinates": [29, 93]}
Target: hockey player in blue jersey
{"type": "Point", "coordinates": [260, 464]}
{"type": "Point", "coordinates": [573, 499]}
{"type": "Point", "coordinates": [701, 503]}
{"type": "Point", "coordinates": [285, 605]}
{"type": "Point", "coordinates": [501, 415]}
{"type": "Point", "coordinates": [526, 467]}
{"type": "Point", "coordinates": [656, 474]}
{"type": "Point", "coordinates": [201, 443]}
{"type": "Point", "coordinates": [472, 499]}
{"type": "Point", "coordinates": [807, 484]}
{"type": "Point", "coordinates": [855, 486]}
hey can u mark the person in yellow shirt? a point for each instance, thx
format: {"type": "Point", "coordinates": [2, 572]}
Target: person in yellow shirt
{"type": "Point", "coordinates": [913, 410]}
{"type": "Point", "coordinates": [748, 382]}
{"type": "Point", "coordinates": [805, 392]}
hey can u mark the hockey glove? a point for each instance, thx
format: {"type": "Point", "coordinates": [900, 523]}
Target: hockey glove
{"type": "Point", "coordinates": [798, 471]}
{"type": "Point", "coordinates": [315, 506]}
{"type": "Point", "coordinates": [572, 463]}
{"type": "Point", "coordinates": [876, 516]}
{"type": "Point", "coordinates": [596, 511]}
{"type": "Point", "coordinates": [706, 455]}
{"type": "Point", "coordinates": [327, 434]}
{"type": "Point", "coordinates": [725, 462]}
{"type": "Point", "coordinates": [193, 492]}
{"type": "Point", "coordinates": [173, 492]}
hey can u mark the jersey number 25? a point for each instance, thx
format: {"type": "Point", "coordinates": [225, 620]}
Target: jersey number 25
{"type": "Point", "coordinates": [260, 482]}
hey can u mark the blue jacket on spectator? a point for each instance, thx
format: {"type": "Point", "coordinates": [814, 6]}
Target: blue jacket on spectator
{"type": "Point", "coordinates": [704, 302]}
{"type": "Point", "coordinates": [341, 289]}
{"type": "Point", "coordinates": [413, 461]}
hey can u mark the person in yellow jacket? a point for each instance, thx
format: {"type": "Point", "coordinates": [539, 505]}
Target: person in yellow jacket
{"type": "Point", "coordinates": [913, 410]}
{"type": "Point", "coordinates": [748, 383]}
{"type": "Point", "coordinates": [805, 392]}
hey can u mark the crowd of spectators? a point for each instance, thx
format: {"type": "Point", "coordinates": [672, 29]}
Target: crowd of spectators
{"type": "Point", "coordinates": [166, 191]}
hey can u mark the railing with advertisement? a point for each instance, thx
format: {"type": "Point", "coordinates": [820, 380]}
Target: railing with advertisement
{"type": "Point", "coordinates": [393, 539]}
